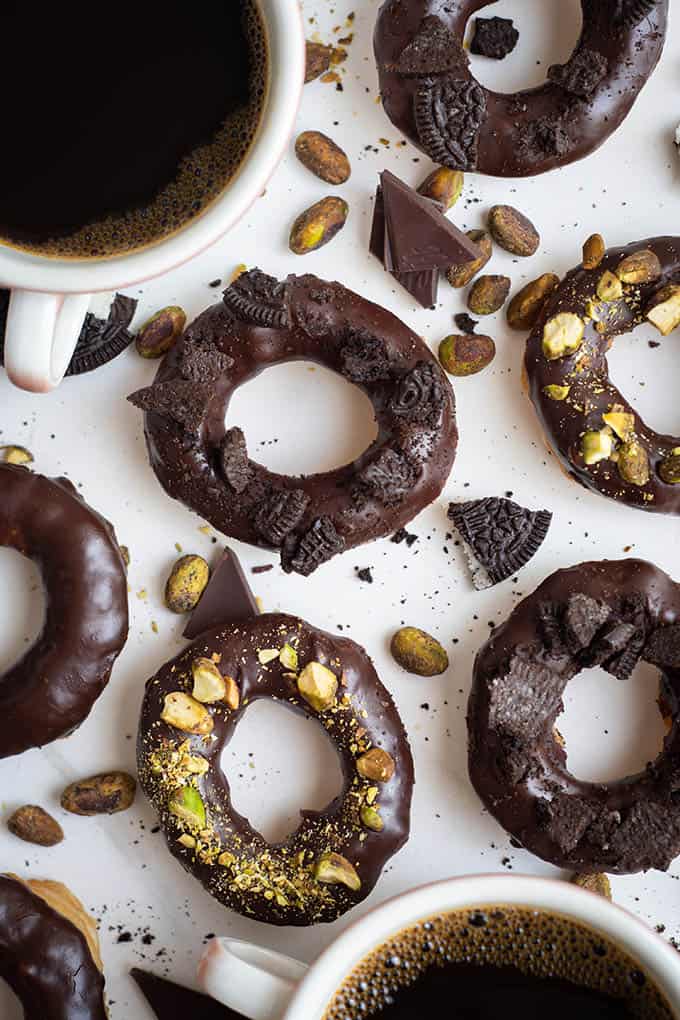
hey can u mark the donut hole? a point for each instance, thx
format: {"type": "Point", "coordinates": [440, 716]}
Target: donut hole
{"type": "Point", "coordinates": [548, 34]}
{"type": "Point", "coordinates": [10, 1007]}
{"type": "Point", "coordinates": [641, 375]}
{"type": "Point", "coordinates": [612, 728]}
{"type": "Point", "coordinates": [300, 418]}
{"type": "Point", "coordinates": [277, 763]}
{"type": "Point", "coordinates": [23, 614]}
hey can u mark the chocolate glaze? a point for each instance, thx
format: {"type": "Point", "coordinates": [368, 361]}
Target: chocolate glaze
{"type": "Point", "coordinates": [369, 718]}
{"type": "Point", "coordinates": [45, 959]}
{"type": "Point", "coordinates": [524, 133]}
{"type": "Point", "coordinates": [51, 689]}
{"type": "Point", "coordinates": [516, 763]}
{"type": "Point", "coordinates": [171, 1001]}
{"type": "Point", "coordinates": [263, 322]}
{"type": "Point", "coordinates": [592, 393]}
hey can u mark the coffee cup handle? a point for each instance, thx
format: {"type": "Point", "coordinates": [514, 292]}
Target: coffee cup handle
{"type": "Point", "coordinates": [40, 338]}
{"type": "Point", "coordinates": [258, 983]}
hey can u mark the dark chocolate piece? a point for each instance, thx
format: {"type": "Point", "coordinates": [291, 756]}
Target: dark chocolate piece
{"type": "Point", "coordinates": [286, 889]}
{"type": "Point", "coordinates": [494, 38]}
{"type": "Point", "coordinates": [258, 298]}
{"type": "Point", "coordinates": [420, 236]}
{"type": "Point", "coordinates": [501, 536]}
{"type": "Point", "coordinates": [171, 1001]}
{"type": "Point", "coordinates": [198, 464]}
{"type": "Point", "coordinates": [422, 286]}
{"type": "Point", "coordinates": [610, 613]}
{"type": "Point", "coordinates": [50, 691]}
{"type": "Point", "coordinates": [227, 598]}
{"type": "Point", "coordinates": [433, 99]}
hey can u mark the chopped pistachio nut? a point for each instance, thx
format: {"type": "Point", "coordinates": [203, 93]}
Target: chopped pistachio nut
{"type": "Point", "coordinates": [333, 869]}
{"type": "Point", "coordinates": [370, 816]}
{"type": "Point", "coordinates": [664, 311]}
{"type": "Point", "coordinates": [596, 883]}
{"type": "Point", "coordinates": [669, 469]}
{"type": "Point", "coordinates": [195, 764]}
{"type": "Point", "coordinates": [562, 335]}
{"type": "Point", "coordinates": [226, 859]}
{"type": "Point", "coordinates": [622, 422]}
{"type": "Point", "coordinates": [266, 655]}
{"type": "Point", "coordinates": [187, 805]}
{"type": "Point", "coordinates": [318, 685]}
{"type": "Point", "coordinates": [555, 392]}
{"type": "Point", "coordinates": [188, 841]}
{"type": "Point", "coordinates": [640, 267]}
{"type": "Point", "coordinates": [209, 685]}
{"type": "Point", "coordinates": [376, 765]}
{"type": "Point", "coordinates": [288, 658]}
{"type": "Point", "coordinates": [15, 455]}
{"type": "Point", "coordinates": [633, 463]}
{"type": "Point", "coordinates": [609, 287]}
{"type": "Point", "coordinates": [597, 446]}
{"type": "Point", "coordinates": [185, 713]}
{"type": "Point", "coordinates": [232, 695]}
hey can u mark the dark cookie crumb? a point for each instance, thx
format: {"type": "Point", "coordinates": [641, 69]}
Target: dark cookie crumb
{"type": "Point", "coordinates": [420, 395]}
{"type": "Point", "coordinates": [365, 574]}
{"type": "Point", "coordinates": [663, 648]}
{"type": "Point", "coordinates": [179, 400]}
{"type": "Point", "coordinates": [318, 545]}
{"type": "Point", "coordinates": [259, 298]}
{"type": "Point", "coordinates": [546, 136]}
{"type": "Point", "coordinates": [364, 358]}
{"type": "Point", "coordinates": [465, 323]}
{"type": "Point", "coordinates": [280, 514]}
{"type": "Point", "coordinates": [630, 13]}
{"type": "Point", "coordinates": [262, 568]}
{"type": "Point", "coordinates": [201, 361]}
{"type": "Point", "coordinates": [433, 50]}
{"type": "Point", "coordinates": [388, 479]}
{"type": "Point", "coordinates": [234, 460]}
{"type": "Point", "coordinates": [402, 535]}
{"type": "Point", "coordinates": [582, 73]}
{"type": "Point", "coordinates": [494, 37]}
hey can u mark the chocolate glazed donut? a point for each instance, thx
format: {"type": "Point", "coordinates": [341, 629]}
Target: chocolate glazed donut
{"type": "Point", "coordinates": [599, 438]}
{"type": "Point", "coordinates": [334, 858]}
{"type": "Point", "coordinates": [263, 322]}
{"type": "Point", "coordinates": [430, 94]}
{"type": "Point", "coordinates": [611, 614]}
{"type": "Point", "coordinates": [45, 956]}
{"type": "Point", "coordinates": [51, 689]}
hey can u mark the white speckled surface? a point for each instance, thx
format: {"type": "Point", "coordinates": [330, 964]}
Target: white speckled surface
{"type": "Point", "coordinates": [295, 418]}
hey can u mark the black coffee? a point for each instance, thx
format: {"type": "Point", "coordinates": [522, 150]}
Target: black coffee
{"type": "Point", "coordinates": [122, 121]}
{"type": "Point", "coordinates": [494, 963]}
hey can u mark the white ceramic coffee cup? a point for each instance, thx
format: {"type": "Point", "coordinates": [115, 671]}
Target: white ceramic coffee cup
{"type": "Point", "coordinates": [264, 985]}
{"type": "Point", "coordinates": [50, 296]}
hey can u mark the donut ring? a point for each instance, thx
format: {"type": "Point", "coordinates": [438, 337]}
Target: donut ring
{"type": "Point", "coordinates": [609, 613]}
{"type": "Point", "coordinates": [429, 93]}
{"type": "Point", "coordinates": [262, 323]}
{"type": "Point", "coordinates": [597, 435]}
{"type": "Point", "coordinates": [50, 691]}
{"type": "Point", "coordinates": [50, 952]}
{"type": "Point", "coordinates": [365, 825]}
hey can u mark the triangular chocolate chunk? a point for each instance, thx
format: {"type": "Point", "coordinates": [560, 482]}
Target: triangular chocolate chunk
{"type": "Point", "coordinates": [434, 49]}
{"type": "Point", "coordinates": [422, 285]}
{"type": "Point", "coordinates": [227, 598]}
{"type": "Point", "coordinates": [420, 236]}
{"type": "Point", "coordinates": [170, 1001]}
{"type": "Point", "coordinates": [501, 537]}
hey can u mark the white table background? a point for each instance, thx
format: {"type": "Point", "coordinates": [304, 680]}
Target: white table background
{"type": "Point", "coordinates": [299, 421]}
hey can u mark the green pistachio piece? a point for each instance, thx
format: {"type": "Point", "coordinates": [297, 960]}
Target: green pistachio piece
{"type": "Point", "coordinates": [669, 469]}
{"type": "Point", "coordinates": [318, 685]}
{"type": "Point", "coordinates": [609, 287]}
{"type": "Point", "coordinates": [633, 463]}
{"type": "Point", "coordinates": [555, 392]}
{"type": "Point", "coordinates": [370, 817]}
{"type": "Point", "coordinates": [15, 455]}
{"type": "Point", "coordinates": [333, 869]}
{"type": "Point", "coordinates": [187, 805]}
{"type": "Point", "coordinates": [288, 658]}
{"type": "Point", "coordinates": [562, 335]}
{"type": "Point", "coordinates": [266, 655]}
{"type": "Point", "coordinates": [209, 685]}
{"type": "Point", "coordinates": [622, 422]}
{"type": "Point", "coordinates": [597, 446]}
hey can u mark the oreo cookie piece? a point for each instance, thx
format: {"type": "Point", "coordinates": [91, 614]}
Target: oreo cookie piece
{"type": "Point", "coordinates": [433, 50]}
{"type": "Point", "coordinates": [234, 460]}
{"type": "Point", "coordinates": [663, 647]}
{"type": "Point", "coordinates": [449, 113]}
{"type": "Point", "coordinates": [582, 74]}
{"type": "Point", "coordinates": [202, 361]}
{"type": "Point", "coordinates": [583, 618]}
{"type": "Point", "coordinates": [318, 545]}
{"type": "Point", "coordinates": [420, 395]}
{"type": "Point", "coordinates": [180, 401]}
{"type": "Point", "coordinates": [494, 38]}
{"type": "Point", "coordinates": [630, 13]}
{"type": "Point", "coordinates": [388, 479]}
{"type": "Point", "coordinates": [280, 514]}
{"type": "Point", "coordinates": [545, 137]}
{"type": "Point", "coordinates": [364, 358]}
{"type": "Point", "coordinates": [500, 536]}
{"type": "Point", "coordinates": [258, 298]}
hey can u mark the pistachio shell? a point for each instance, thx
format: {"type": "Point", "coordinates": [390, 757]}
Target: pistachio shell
{"type": "Point", "coordinates": [633, 463]}
{"type": "Point", "coordinates": [444, 186]}
{"type": "Point", "coordinates": [418, 652]}
{"type": "Point", "coordinates": [15, 455]}
{"type": "Point", "coordinates": [187, 582]}
{"type": "Point", "coordinates": [593, 251]}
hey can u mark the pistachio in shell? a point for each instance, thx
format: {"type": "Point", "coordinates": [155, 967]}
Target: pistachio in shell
{"type": "Point", "coordinates": [317, 60]}
{"type": "Point", "coordinates": [444, 186]}
{"type": "Point", "coordinates": [466, 354]}
{"type": "Point", "coordinates": [318, 225]}
{"type": "Point", "coordinates": [640, 267]}
{"type": "Point", "coordinates": [376, 765]}
{"type": "Point", "coordinates": [103, 794]}
{"type": "Point", "coordinates": [161, 332]}
{"type": "Point", "coordinates": [513, 231]}
{"type": "Point", "coordinates": [633, 463]}
{"type": "Point", "coordinates": [318, 685]}
{"type": "Point", "coordinates": [527, 304]}
{"type": "Point", "coordinates": [34, 825]}
{"type": "Point", "coordinates": [334, 869]}
{"type": "Point", "coordinates": [669, 469]}
{"type": "Point", "coordinates": [418, 652]}
{"type": "Point", "coordinates": [15, 455]}
{"type": "Point", "coordinates": [595, 883]}
{"type": "Point", "coordinates": [187, 804]}
{"type": "Point", "coordinates": [323, 157]}
{"type": "Point", "coordinates": [488, 294]}
{"type": "Point", "coordinates": [593, 251]}
{"type": "Point", "coordinates": [187, 582]}
{"type": "Point", "coordinates": [463, 274]}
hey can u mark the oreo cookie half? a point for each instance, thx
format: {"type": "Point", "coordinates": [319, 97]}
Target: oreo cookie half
{"type": "Point", "coordinates": [500, 537]}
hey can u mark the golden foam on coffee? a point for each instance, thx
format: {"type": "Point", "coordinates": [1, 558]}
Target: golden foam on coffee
{"type": "Point", "coordinates": [538, 944]}
{"type": "Point", "coordinates": [201, 177]}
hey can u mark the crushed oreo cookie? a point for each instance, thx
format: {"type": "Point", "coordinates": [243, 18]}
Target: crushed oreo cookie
{"type": "Point", "coordinates": [178, 400]}
{"type": "Point", "coordinates": [566, 818]}
{"type": "Point", "coordinates": [420, 395]}
{"type": "Point", "coordinates": [388, 479]}
{"type": "Point", "coordinates": [582, 74]}
{"type": "Point", "coordinates": [501, 537]}
{"type": "Point", "coordinates": [234, 461]}
{"type": "Point", "coordinates": [433, 50]}
{"type": "Point", "coordinates": [449, 113]}
{"type": "Point", "coordinates": [546, 136]}
{"type": "Point", "coordinates": [583, 618]}
{"type": "Point", "coordinates": [494, 38]}
{"type": "Point", "coordinates": [302, 555]}
{"type": "Point", "coordinates": [258, 298]}
{"type": "Point", "coordinates": [280, 514]}
{"type": "Point", "coordinates": [202, 361]}
{"type": "Point", "coordinates": [630, 13]}
{"type": "Point", "coordinates": [465, 323]}
{"type": "Point", "coordinates": [663, 647]}
{"type": "Point", "coordinates": [364, 358]}
{"type": "Point", "coordinates": [365, 574]}
{"type": "Point", "coordinates": [402, 535]}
